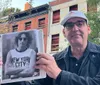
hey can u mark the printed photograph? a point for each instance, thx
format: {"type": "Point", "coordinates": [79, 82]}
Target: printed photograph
{"type": "Point", "coordinates": [19, 55]}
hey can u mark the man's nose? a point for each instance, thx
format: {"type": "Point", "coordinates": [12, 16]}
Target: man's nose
{"type": "Point", "coordinates": [22, 40]}
{"type": "Point", "coordinates": [75, 27]}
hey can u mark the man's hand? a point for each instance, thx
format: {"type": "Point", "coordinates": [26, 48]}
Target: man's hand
{"type": "Point", "coordinates": [48, 64]}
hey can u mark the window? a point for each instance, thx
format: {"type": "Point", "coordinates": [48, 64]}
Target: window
{"type": "Point", "coordinates": [56, 16]}
{"type": "Point", "coordinates": [27, 25]}
{"type": "Point", "coordinates": [41, 22]}
{"type": "Point", "coordinates": [55, 42]}
{"type": "Point", "coordinates": [15, 28]}
{"type": "Point", "coordinates": [74, 7]}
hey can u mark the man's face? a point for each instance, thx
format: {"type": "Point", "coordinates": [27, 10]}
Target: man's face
{"type": "Point", "coordinates": [22, 41]}
{"type": "Point", "coordinates": [76, 31]}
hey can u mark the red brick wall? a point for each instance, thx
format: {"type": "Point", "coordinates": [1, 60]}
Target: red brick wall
{"type": "Point", "coordinates": [34, 25]}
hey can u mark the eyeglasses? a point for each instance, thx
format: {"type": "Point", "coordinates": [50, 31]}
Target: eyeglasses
{"type": "Point", "coordinates": [79, 23]}
{"type": "Point", "coordinates": [23, 39]}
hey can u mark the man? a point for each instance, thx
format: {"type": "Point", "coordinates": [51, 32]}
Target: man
{"type": "Point", "coordinates": [21, 60]}
{"type": "Point", "coordinates": [79, 64]}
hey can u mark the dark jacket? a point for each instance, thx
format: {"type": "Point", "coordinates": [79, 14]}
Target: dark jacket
{"type": "Point", "coordinates": [89, 72]}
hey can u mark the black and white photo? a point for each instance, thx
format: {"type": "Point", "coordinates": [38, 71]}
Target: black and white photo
{"type": "Point", "coordinates": [19, 51]}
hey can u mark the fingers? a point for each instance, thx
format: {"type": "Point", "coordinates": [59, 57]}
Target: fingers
{"type": "Point", "coordinates": [44, 67]}
{"type": "Point", "coordinates": [42, 64]}
{"type": "Point", "coordinates": [44, 58]}
{"type": "Point", "coordinates": [43, 55]}
{"type": "Point", "coordinates": [42, 61]}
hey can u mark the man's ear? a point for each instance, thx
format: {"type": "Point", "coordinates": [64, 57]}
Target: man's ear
{"type": "Point", "coordinates": [63, 32]}
{"type": "Point", "coordinates": [89, 29]}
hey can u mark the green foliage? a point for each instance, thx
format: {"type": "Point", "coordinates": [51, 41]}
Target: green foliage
{"type": "Point", "coordinates": [94, 22]}
{"type": "Point", "coordinates": [93, 2]}
{"type": "Point", "coordinates": [4, 4]}
{"type": "Point", "coordinates": [10, 11]}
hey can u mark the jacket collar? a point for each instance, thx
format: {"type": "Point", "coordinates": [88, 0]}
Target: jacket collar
{"type": "Point", "coordinates": [93, 47]}
{"type": "Point", "coordinates": [90, 46]}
